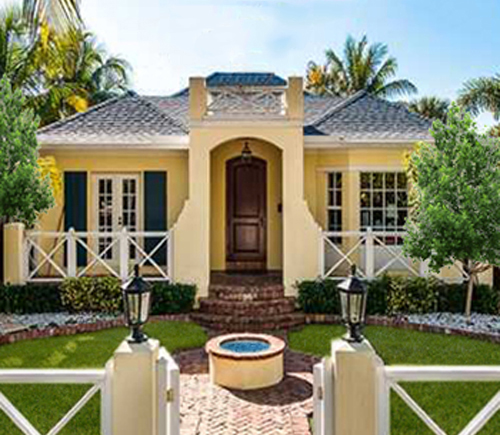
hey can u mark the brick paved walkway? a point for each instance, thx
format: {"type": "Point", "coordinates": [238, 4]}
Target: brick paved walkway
{"type": "Point", "coordinates": [211, 410]}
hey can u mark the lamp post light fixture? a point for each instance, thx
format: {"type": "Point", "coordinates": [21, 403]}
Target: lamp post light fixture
{"type": "Point", "coordinates": [136, 304]}
{"type": "Point", "coordinates": [353, 294]}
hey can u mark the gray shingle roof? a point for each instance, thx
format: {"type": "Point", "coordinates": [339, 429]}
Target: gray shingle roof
{"type": "Point", "coordinates": [364, 116]}
{"type": "Point", "coordinates": [127, 116]}
{"type": "Point", "coordinates": [358, 117]}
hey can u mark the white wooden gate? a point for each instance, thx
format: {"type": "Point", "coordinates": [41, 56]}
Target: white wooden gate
{"type": "Point", "coordinates": [98, 379]}
{"type": "Point", "coordinates": [168, 394]}
{"type": "Point", "coordinates": [323, 397]}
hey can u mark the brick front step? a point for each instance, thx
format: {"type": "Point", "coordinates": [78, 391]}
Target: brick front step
{"type": "Point", "coordinates": [245, 292]}
{"type": "Point", "coordinates": [257, 308]}
{"type": "Point", "coordinates": [233, 323]}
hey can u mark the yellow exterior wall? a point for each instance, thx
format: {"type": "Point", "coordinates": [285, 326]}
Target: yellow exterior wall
{"type": "Point", "coordinates": [219, 157]}
{"type": "Point", "coordinates": [122, 162]}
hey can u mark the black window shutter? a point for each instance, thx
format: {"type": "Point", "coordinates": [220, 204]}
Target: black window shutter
{"type": "Point", "coordinates": [75, 207]}
{"type": "Point", "coordinates": [155, 211]}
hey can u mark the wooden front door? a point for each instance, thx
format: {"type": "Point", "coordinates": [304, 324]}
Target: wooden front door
{"type": "Point", "coordinates": [246, 214]}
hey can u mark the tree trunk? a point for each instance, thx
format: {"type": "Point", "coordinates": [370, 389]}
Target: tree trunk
{"type": "Point", "coordinates": [470, 291]}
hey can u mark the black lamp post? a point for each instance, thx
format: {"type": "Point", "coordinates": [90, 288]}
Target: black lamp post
{"type": "Point", "coordinates": [353, 293]}
{"type": "Point", "coordinates": [136, 304]}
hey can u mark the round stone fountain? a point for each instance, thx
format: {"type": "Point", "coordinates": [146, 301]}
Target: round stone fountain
{"type": "Point", "coordinates": [245, 361]}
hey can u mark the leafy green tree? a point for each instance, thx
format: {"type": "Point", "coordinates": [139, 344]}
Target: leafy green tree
{"type": "Point", "coordinates": [362, 67]}
{"type": "Point", "coordinates": [494, 131]}
{"type": "Point", "coordinates": [430, 107]}
{"type": "Point", "coordinates": [24, 194]}
{"type": "Point", "coordinates": [481, 95]}
{"type": "Point", "coordinates": [457, 211]}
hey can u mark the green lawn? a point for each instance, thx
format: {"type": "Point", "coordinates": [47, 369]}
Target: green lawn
{"type": "Point", "coordinates": [451, 405]}
{"type": "Point", "coordinates": [44, 405]}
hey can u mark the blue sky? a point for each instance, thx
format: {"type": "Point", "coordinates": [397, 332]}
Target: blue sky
{"type": "Point", "coordinates": [438, 43]}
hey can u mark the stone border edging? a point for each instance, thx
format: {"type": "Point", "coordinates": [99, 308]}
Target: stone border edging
{"type": "Point", "coordinates": [402, 323]}
{"type": "Point", "coordinates": [74, 329]}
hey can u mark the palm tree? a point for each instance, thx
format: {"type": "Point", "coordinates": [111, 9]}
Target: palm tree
{"type": "Point", "coordinates": [59, 14]}
{"type": "Point", "coordinates": [481, 94]}
{"type": "Point", "coordinates": [362, 67]}
{"type": "Point", "coordinates": [59, 73]}
{"type": "Point", "coordinates": [77, 73]}
{"type": "Point", "coordinates": [430, 107]}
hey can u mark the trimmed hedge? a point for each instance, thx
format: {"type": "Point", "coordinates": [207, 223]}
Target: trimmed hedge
{"type": "Point", "coordinates": [30, 298]}
{"type": "Point", "coordinates": [401, 295]}
{"type": "Point", "coordinates": [102, 294]}
{"type": "Point", "coordinates": [172, 298]}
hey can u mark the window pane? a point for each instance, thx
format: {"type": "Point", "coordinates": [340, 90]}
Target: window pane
{"type": "Point", "coordinates": [365, 219]}
{"type": "Point", "coordinates": [378, 199]}
{"type": "Point", "coordinates": [366, 180]}
{"type": "Point", "coordinates": [330, 198]}
{"type": "Point", "coordinates": [378, 219]}
{"type": "Point", "coordinates": [402, 183]}
{"type": "Point", "coordinates": [390, 182]}
{"type": "Point", "coordinates": [338, 180]}
{"type": "Point", "coordinates": [402, 199]}
{"type": "Point", "coordinates": [390, 199]}
{"type": "Point", "coordinates": [402, 214]}
{"type": "Point", "coordinates": [331, 181]}
{"type": "Point", "coordinates": [378, 180]}
{"type": "Point", "coordinates": [365, 199]}
{"type": "Point", "coordinates": [338, 198]}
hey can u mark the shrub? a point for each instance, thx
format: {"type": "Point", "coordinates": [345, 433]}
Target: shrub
{"type": "Point", "coordinates": [452, 298]}
{"type": "Point", "coordinates": [412, 295]}
{"type": "Point", "coordinates": [377, 295]}
{"type": "Point", "coordinates": [172, 298]}
{"type": "Point", "coordinates": [319, 297]}
{"type": "Point", "coordinates": [101, 294]}
{"type": "Point", "coordinates": [30, 298]}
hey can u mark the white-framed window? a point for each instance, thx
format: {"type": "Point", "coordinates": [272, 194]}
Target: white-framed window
{"type": "Point", "coordinates": [384, 202]}
{"type": "Point", "coordinates": [334, 203]}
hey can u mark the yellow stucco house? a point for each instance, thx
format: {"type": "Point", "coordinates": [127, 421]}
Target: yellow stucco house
{"type": "Point", "coordinates": [237, 172]}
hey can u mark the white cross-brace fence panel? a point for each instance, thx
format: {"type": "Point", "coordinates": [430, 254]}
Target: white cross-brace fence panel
{"type": "Point", "coordinates": [168, 376]}
{"type": "Point", "coordinates": [394, 374]}
{"type": "Point", "coordinates": [52, 256]}
{"type": "Point", "coordinates": [98, 379]}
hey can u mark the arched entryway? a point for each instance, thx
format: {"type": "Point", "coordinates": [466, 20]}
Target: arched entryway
{"type": "Point", "coordinates": [246, 207]}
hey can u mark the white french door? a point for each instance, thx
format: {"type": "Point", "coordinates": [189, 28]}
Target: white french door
{"type": "Point", "coordinates": [116, 206]}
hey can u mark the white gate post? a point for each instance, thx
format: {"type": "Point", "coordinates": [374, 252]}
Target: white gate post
{"type": "Point", "coordinates": [370, 254]}
{"type": "Point", "coordinates": [14, 254]}
{"type": "Point", "coordinates": [356, 378]}
{"type": "Point", "coordinates": [134, 388]}
{"type": "Point", "coordinates": [124, 254]}
{"type": "Point", "coordinates": [71, 253]}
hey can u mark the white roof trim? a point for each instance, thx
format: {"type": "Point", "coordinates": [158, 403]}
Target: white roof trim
{"type": "Point", "coordinates": [48, 141]}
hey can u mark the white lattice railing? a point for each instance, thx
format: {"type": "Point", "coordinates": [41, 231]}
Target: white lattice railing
{"type": "Point", "coordinates": [236, 101]}
{"type": "Point", "coordinates": [98, 379]}
{"type": "Point", "coordinates": [391, 376]}
{"type": "Point", "coordinates": [53, 256]}
{"type": "Point", "coordinates": [373, 252]}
